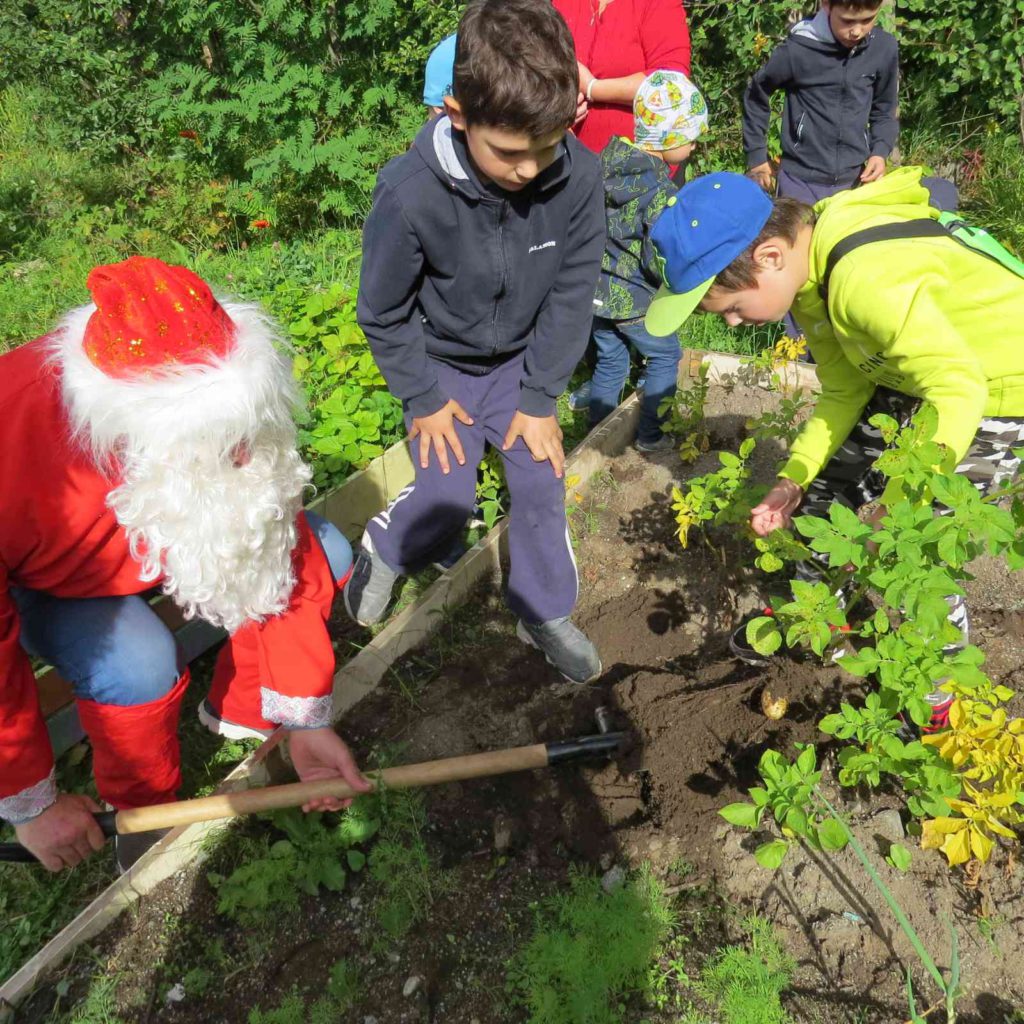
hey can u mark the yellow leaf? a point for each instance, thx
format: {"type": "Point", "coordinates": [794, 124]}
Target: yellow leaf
{"type": "Point", "coordinates": [957, 718]}
{"type": "Point", "coordinates": [934, 831]}
{"type": "Point", "coordinates": [957, 848]}
{"type": "Point", "coordinates": [981, 845]}
{"type": "Point", "coordinates": [572, 481]}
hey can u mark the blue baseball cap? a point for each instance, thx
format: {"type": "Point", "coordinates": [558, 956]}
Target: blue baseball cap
{"type": "Point", "coordinates": [704, 227]}
{"type": "Point", "coordinates": [440, 72]}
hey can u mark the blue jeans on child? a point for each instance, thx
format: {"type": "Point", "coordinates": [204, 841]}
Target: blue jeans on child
{"type": "Point", "coordinates": [612, 339]}
{"type": "Point", "coordinates": [116, 650]}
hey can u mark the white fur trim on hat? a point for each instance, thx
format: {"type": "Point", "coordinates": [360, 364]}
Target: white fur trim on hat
{"type": "Point", "coordinates": [222, 401]}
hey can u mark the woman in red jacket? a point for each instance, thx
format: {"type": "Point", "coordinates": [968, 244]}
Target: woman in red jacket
{"type": "Point", "coordinates": [619, 43]}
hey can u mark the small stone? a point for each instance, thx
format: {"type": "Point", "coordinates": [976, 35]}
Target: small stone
{"type": "Point", "coordinates": [355, 903]}
{"type": "Point", "coordinates": [504, 829]}
{"type": "Point", "coordinates": [412, 985]}
{"type": "Point", "coordinates": [613, 878]}
{"type": "Point", "coordinates": [175, 995]}
{"type": "Point", "coordinates": [606, 861]}
{"type": "Point", "coordinates": [888, 824]}
{"type": "Point", "coordinates": [394, 958]}
{"type": "Point", "coordinates": [369, 1020]}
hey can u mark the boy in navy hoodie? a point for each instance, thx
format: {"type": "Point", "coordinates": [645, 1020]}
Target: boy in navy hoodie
{"type": "Point", "coordinates": [840, 74]}
{"type": "Point", "coordinates": [480, 259]}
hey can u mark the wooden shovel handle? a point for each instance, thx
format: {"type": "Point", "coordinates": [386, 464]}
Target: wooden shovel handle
{"type": "Point", "coordinates": [270, 798]}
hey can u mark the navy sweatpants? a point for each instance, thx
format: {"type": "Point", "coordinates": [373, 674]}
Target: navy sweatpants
{"type": "Point", "coordinates": [542, 583]}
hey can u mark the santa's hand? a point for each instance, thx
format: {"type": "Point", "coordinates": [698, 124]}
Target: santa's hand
{"type": "Point", "coordinates": [322, 754]}
{"type": "Point", "coordinates": [64, 834]}
{"type": "Point", "coordinates": [776, 510]}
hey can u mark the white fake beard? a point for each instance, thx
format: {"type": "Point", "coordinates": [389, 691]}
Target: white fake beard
{"type": "Point", "coordinates": [220, 536]}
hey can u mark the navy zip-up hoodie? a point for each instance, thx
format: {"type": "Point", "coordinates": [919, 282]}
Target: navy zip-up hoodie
{"type": "Point", "coordinates": [833, 95]}
{"type": "Point", "coordinates": [470, 275]}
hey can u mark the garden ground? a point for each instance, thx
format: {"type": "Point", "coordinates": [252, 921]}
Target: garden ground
{"type": "Point", "coordinates": [482, 857]}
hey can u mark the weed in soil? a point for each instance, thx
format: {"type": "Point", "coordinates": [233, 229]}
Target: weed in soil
{"type": "Point", "coordinates": [592, 950]}
{"type": "Point", "coordinates": [745, 985]}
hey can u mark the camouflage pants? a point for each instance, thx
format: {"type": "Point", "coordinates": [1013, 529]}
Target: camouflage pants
{"type": "Point", "coordinates": [849, 478]}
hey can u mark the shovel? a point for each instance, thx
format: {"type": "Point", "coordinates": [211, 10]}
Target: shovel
{"type": "Point", "coordinates": [427, 773]}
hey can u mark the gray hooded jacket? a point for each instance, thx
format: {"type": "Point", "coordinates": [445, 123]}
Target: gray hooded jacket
{"type": "Point", "coordinates": [840, 104]}
{"type": "Point", "coordinates": [469, 274]}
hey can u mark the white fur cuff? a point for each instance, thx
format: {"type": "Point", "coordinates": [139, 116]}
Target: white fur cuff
{"type": "Point", "coordinates": [296, 712]}
{"type": "Point", "coordinates": [31, 802]}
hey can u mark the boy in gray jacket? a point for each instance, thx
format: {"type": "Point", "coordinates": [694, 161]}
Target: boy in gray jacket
{"type": "Point", "coordinates": [840, 74]}
{"type": "Point", "coordinates": [480, 259]}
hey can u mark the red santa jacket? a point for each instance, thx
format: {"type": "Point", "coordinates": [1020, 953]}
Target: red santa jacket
{"type": "Point", "coordinates": [57, 535]}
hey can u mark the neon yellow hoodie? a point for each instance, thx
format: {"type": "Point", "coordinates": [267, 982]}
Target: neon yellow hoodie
{"type": "Point", "coordinates": [924, 316]}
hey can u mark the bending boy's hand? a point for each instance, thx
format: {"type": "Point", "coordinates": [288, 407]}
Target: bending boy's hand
{"type": "Point", "coordinates": [873, 169]}
{"type": "Point", "coordinates": [762, 174]}
{"type": "Point", "coordinates": [437, 429]}
{"type": "Point", "coordinates": [542, 435]}
{"type": "Point", "coordinates": [776, 510]}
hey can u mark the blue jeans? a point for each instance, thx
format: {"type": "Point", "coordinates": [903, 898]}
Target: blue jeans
{"type": "Point", "coordinates": [116, 650]}
{"type": "Point", "coordinates": [612, 339]}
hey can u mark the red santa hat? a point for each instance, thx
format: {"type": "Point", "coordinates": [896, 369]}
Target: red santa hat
{"type": "Point", "coordinates": [157, 356]}
{"type": "Point", "coordinates": [149, 316]}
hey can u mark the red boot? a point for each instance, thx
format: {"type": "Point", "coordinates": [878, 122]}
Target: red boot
{"type": "Point", "coordinates": [135, 749]}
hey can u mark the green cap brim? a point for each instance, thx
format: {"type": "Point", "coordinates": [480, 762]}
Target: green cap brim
{"type": "Point", "coordinates": [668, 310]}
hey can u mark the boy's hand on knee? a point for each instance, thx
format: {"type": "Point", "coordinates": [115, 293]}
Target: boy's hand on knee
{"type": "Point", "coordinates": [65, 833]}
{"type": "Point", "coordinates": [542, 435]}
{"type": "Point", "coordinates": [776, 509]}
{"type": "Point", "coordinates": [873, 169]}
{"type": "Point", "coordinates": [762, 174]}
{"type": "Point", "coordinates": [437, 431]}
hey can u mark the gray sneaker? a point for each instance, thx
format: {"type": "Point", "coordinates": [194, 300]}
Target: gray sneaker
{"type": "Point", "coordinates": [368, 591]}
{"type": "Point", "coordinates": [565, 647]}
{"type": "Point", "coordinates": [665, 443]}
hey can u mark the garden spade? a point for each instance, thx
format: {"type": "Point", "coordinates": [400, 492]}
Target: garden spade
{"type": "Point", "coordinates": [604, 743]}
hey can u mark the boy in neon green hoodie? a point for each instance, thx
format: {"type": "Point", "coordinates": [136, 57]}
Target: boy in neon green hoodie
{"type": "Point", "coordinates": [901, 321]}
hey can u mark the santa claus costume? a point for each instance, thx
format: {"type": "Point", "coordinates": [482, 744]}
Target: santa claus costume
{"type": "Point", "coordinates": [149, 441]}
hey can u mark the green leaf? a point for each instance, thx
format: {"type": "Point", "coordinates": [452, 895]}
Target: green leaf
{"type": "Point", "coordinates": [832, 834]}
{"type": "Point", "coordinates": [742, 814]}
{"type": "Point", "coordinates": [899, 857]}
{"type": "Point", "coordinates": [763, 635]}
{"type": "Point", "coordinates": [356, 859]}
{"type": "Point", "coordinates": [771, 854]}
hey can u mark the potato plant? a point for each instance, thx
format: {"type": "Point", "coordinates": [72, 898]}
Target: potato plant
{"type": "Point", "coordinates": [964, 783]}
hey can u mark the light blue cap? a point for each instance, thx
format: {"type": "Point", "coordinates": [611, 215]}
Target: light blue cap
{"type": "Point", "coordinates": [440, 72]}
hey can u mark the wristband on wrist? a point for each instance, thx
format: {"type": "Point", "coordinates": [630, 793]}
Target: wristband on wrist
{"type": "Point", "coordinates": [590, 89]}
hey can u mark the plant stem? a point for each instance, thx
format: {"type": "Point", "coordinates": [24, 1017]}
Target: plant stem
{"type": "Point", "coordinates": [897, 910]}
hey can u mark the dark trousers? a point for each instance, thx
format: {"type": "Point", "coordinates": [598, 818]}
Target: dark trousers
{"type": "Point", "coordinates": [542, 583]}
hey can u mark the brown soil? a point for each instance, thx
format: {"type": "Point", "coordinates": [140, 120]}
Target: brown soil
{"type": "Point", "coordinates": [660, 617]}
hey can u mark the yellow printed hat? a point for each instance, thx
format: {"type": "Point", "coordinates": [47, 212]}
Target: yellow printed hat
{"type": "Point", "coordinates": [668, 111]}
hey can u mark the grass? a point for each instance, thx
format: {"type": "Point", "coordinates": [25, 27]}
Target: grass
{"type": "Point", "coordinates": [407, 881]}
{"type": "Point", "coordinates": [707, 332]}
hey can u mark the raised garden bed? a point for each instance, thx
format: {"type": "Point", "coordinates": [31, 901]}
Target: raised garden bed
{"type": "Point", "coordinates": [660, 616]}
